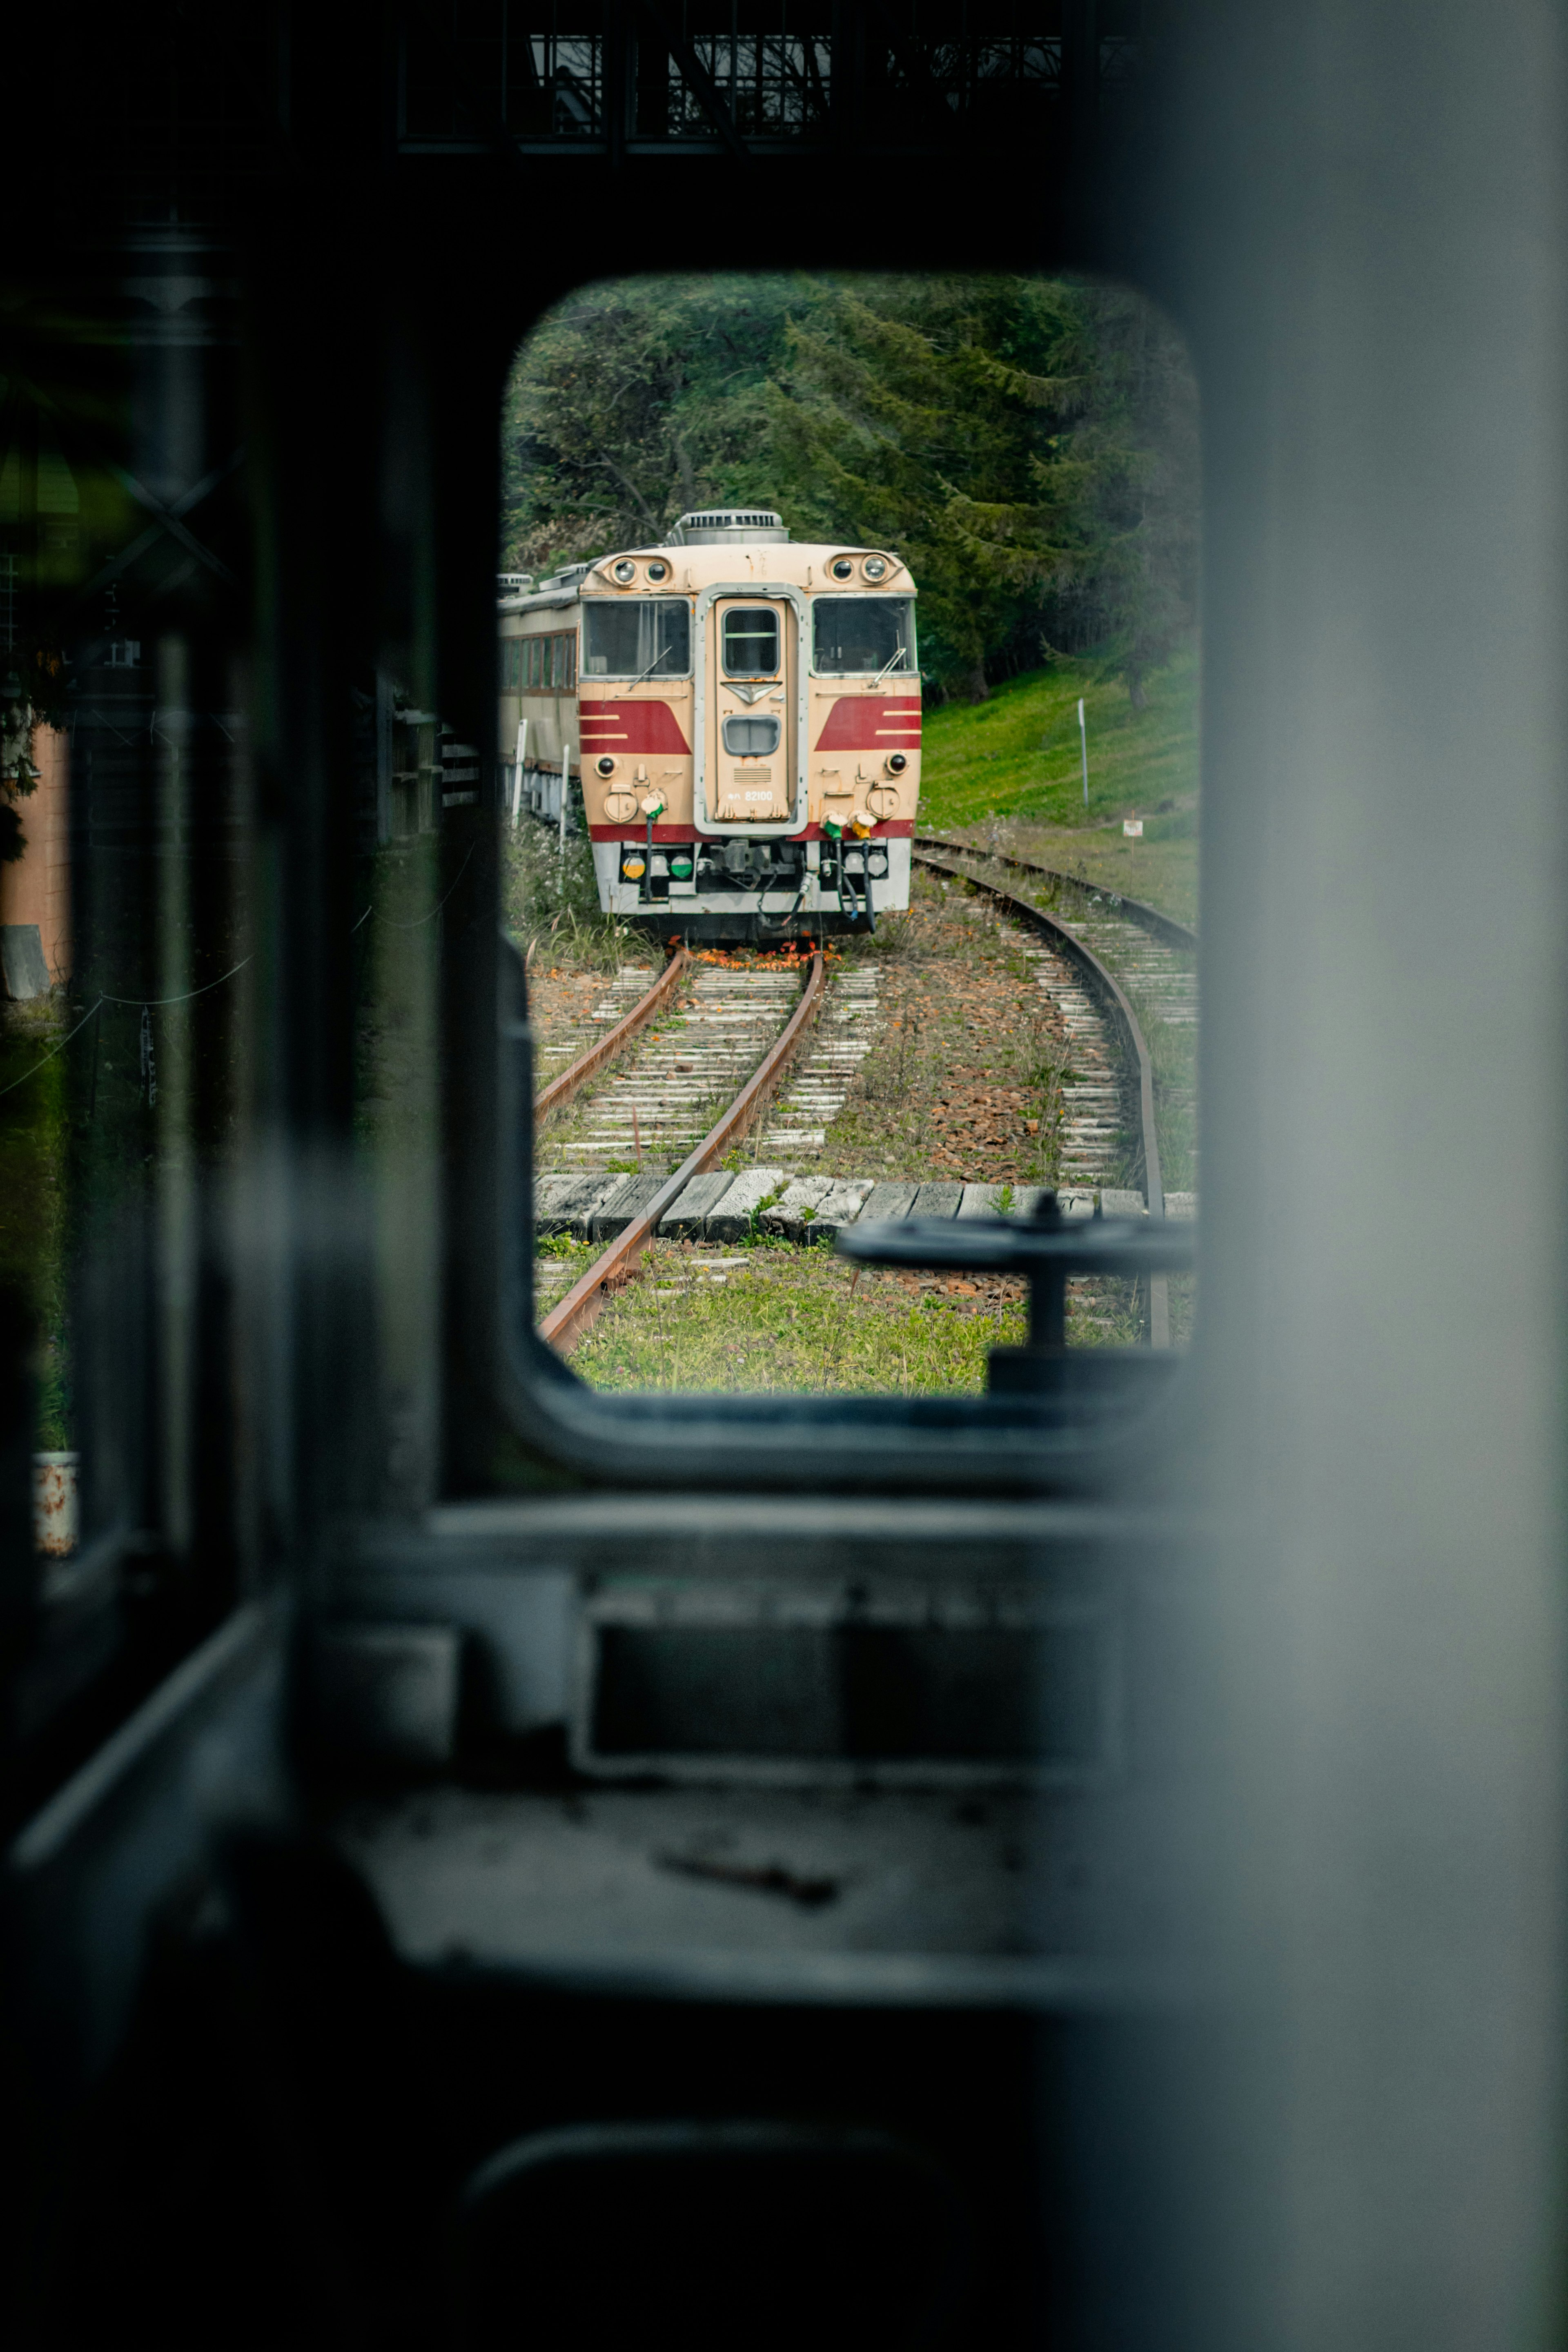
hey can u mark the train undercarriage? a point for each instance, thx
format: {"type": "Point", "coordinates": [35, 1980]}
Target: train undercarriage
{"type": "Point", "coordinates": [730, 889]}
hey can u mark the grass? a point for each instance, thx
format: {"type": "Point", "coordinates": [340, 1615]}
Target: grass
{"type": "Point", "coordinates": [768, 1317]}
{"type": "Point", "coordinates": [549, 901]}
{"type": "Point", "coordinates": [965, 1078]}
{"type": "Point", "coordinates": [1007, 772]}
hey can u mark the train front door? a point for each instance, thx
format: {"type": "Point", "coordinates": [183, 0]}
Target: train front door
{"type": "Point", "coordinates": [750, 754]}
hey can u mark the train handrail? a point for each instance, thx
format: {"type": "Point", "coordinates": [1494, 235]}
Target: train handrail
{"type": "Point", "coordinates": [580, 1310]}
{"type": "Point", "coordinates": [1149, 919]}
{"type": "Point", "coordinates": [562, 1089]}
{"type": "Point", "coordinates": [1107, 986]}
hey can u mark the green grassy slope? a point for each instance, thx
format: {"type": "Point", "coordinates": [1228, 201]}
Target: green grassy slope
{"type": "Point", "coordinates": [1008, 769]}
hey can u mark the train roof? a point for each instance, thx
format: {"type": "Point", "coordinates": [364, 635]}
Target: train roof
{"type": "Point", "coordinates": [709, 547]}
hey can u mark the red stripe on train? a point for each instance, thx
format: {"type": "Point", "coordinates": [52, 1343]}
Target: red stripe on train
{"type": "Point", "coordinates": [632, 727]}
{"type": "Point", "coordinates": [866, 722]}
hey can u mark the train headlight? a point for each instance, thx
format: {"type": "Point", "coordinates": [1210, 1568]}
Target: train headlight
{"type": "Point", "coordinates": [624, 571]}
{"type": "Point", "coordinates": [658, 572]}
{"type": "Point", "coordinates": [606, 766]}
{"type": "Point", "coordinates": [841, 568]}
{"type": "Point", "coordinates": [896, 763]}
{"type": "Point", "coordinates": [876, 567]}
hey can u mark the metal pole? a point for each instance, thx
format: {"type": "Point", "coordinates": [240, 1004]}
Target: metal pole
{"type": "Point", "coordinates": [517, 772]}
{"type": "Point", "coordinates": [1083, 740]}
{"type": "Point", "coordinates": [565, 777]}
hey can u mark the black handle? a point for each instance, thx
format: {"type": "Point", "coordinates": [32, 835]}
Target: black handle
{"type": "Point", "coordinates": [1044, 1249]}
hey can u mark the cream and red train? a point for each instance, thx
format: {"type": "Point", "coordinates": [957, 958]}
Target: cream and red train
{"type": "Point", "coordinates": [744, 714]}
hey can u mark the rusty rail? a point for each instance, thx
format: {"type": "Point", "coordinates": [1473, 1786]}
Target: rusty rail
{"type": "Point", "coordinates": [1161, 926]}
{"type": "Point", "coordinates": [1108, 989]}
{"type": "Point", "coordinates": [580, 1310]}
{"type": "Point", "coordinates": [562, 1089]}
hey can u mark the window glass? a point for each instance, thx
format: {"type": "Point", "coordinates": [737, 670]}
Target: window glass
{"type": "Point", "coordinates": [983, 822]}
{"type": "Point", "coordinates": [752, 641]}
{"type": "Point", "coordinates": [752, 736]}
{"type": "Point", "coordinates": [853, 634]}
{"type": "Point", "coordinates": [648, 638]}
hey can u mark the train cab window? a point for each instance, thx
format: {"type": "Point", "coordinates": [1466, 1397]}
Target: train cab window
{"type": "Point", "coordinates": [752, 641]}
{"type": "Point", "coordinates": [853, 634]}
{"type": "Point", "coordinates": [651, 639]}
{"type": "Point", "coordinates": [883, 883]}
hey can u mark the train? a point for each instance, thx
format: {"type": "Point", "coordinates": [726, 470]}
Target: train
{"type": "Point", "coordinates": [743, 711]}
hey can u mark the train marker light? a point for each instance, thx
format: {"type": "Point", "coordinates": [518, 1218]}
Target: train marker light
{"type": "Point", "coordinates": [634, 868]}
{"type": "Point", "coordinates": [680, 867]}
{"type": "Point", "coordinates": [606, 766]}
{"type": "Point", "coordinates": [896, 763]}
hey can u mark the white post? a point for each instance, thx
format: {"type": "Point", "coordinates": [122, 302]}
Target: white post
{"type": "Point", "coordinates": [1083, 740]}
{"type": "Point", "coordinates": [517, 772]}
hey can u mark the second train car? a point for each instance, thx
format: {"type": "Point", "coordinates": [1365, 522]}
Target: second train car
{"type": "Point", "coordinates": [744, 714]}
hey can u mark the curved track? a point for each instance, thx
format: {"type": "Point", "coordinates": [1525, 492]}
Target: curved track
{"type": "Point", "coordinates": [1103, 987]}
{"type": "Point", "coordinates": [579, 1310]}
{"type": "Point", "coordinates": [1162, 927]}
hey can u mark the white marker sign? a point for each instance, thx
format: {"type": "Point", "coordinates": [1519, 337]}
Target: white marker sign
{"type": "Point", "coordinates": [1132, 826]}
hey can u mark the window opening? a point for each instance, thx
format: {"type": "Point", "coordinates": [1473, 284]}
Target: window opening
{"type": "Point", "coordinates": [752, 641]}
{"type": "Point", "coordinates": [926, 705]}
{"type": "Point", "coordinates": [751, 739]}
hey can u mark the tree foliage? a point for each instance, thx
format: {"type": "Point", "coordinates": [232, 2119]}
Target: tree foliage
{"type": "Point", "coordinates": [1029, 446]}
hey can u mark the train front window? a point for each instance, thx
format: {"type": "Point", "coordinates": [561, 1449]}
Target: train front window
{"type": "Point", "coordinates": [752, 641]}
{"type": "Point", "coordinates": [651, 638]}
{"type": "Point", "coordinates": [856, 635]}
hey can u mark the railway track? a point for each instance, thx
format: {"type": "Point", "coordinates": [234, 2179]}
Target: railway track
{"type": "Point", "coordinates": [733, 1010]}
{"type": "Point", "coordinates": [1114, 1086]}
{"type": "Point", "coordinates": [1150, 955]}
{"type": "Point", "coordinates": [1159, 926]}
{"type": "Point", "coordinates": [733, 1058]}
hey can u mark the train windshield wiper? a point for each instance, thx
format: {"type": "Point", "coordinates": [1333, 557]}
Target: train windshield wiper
{"type": "Point", "coordinates": [654, 663]}
{"type": "Point", "coordinates": [898, 655]}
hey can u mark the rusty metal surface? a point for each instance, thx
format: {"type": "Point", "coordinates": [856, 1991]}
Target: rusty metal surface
{"type": "Point", "coordinates": [1148, 918]}
{"type": "Point", "coordinates": [56, 1522]}
{"type": "Point", "coordinates": [1110, 989]}
{"type": "Point", "coordinates": [562, 1089]}
{"type": "Point", "coordinates": [580, 1310]}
